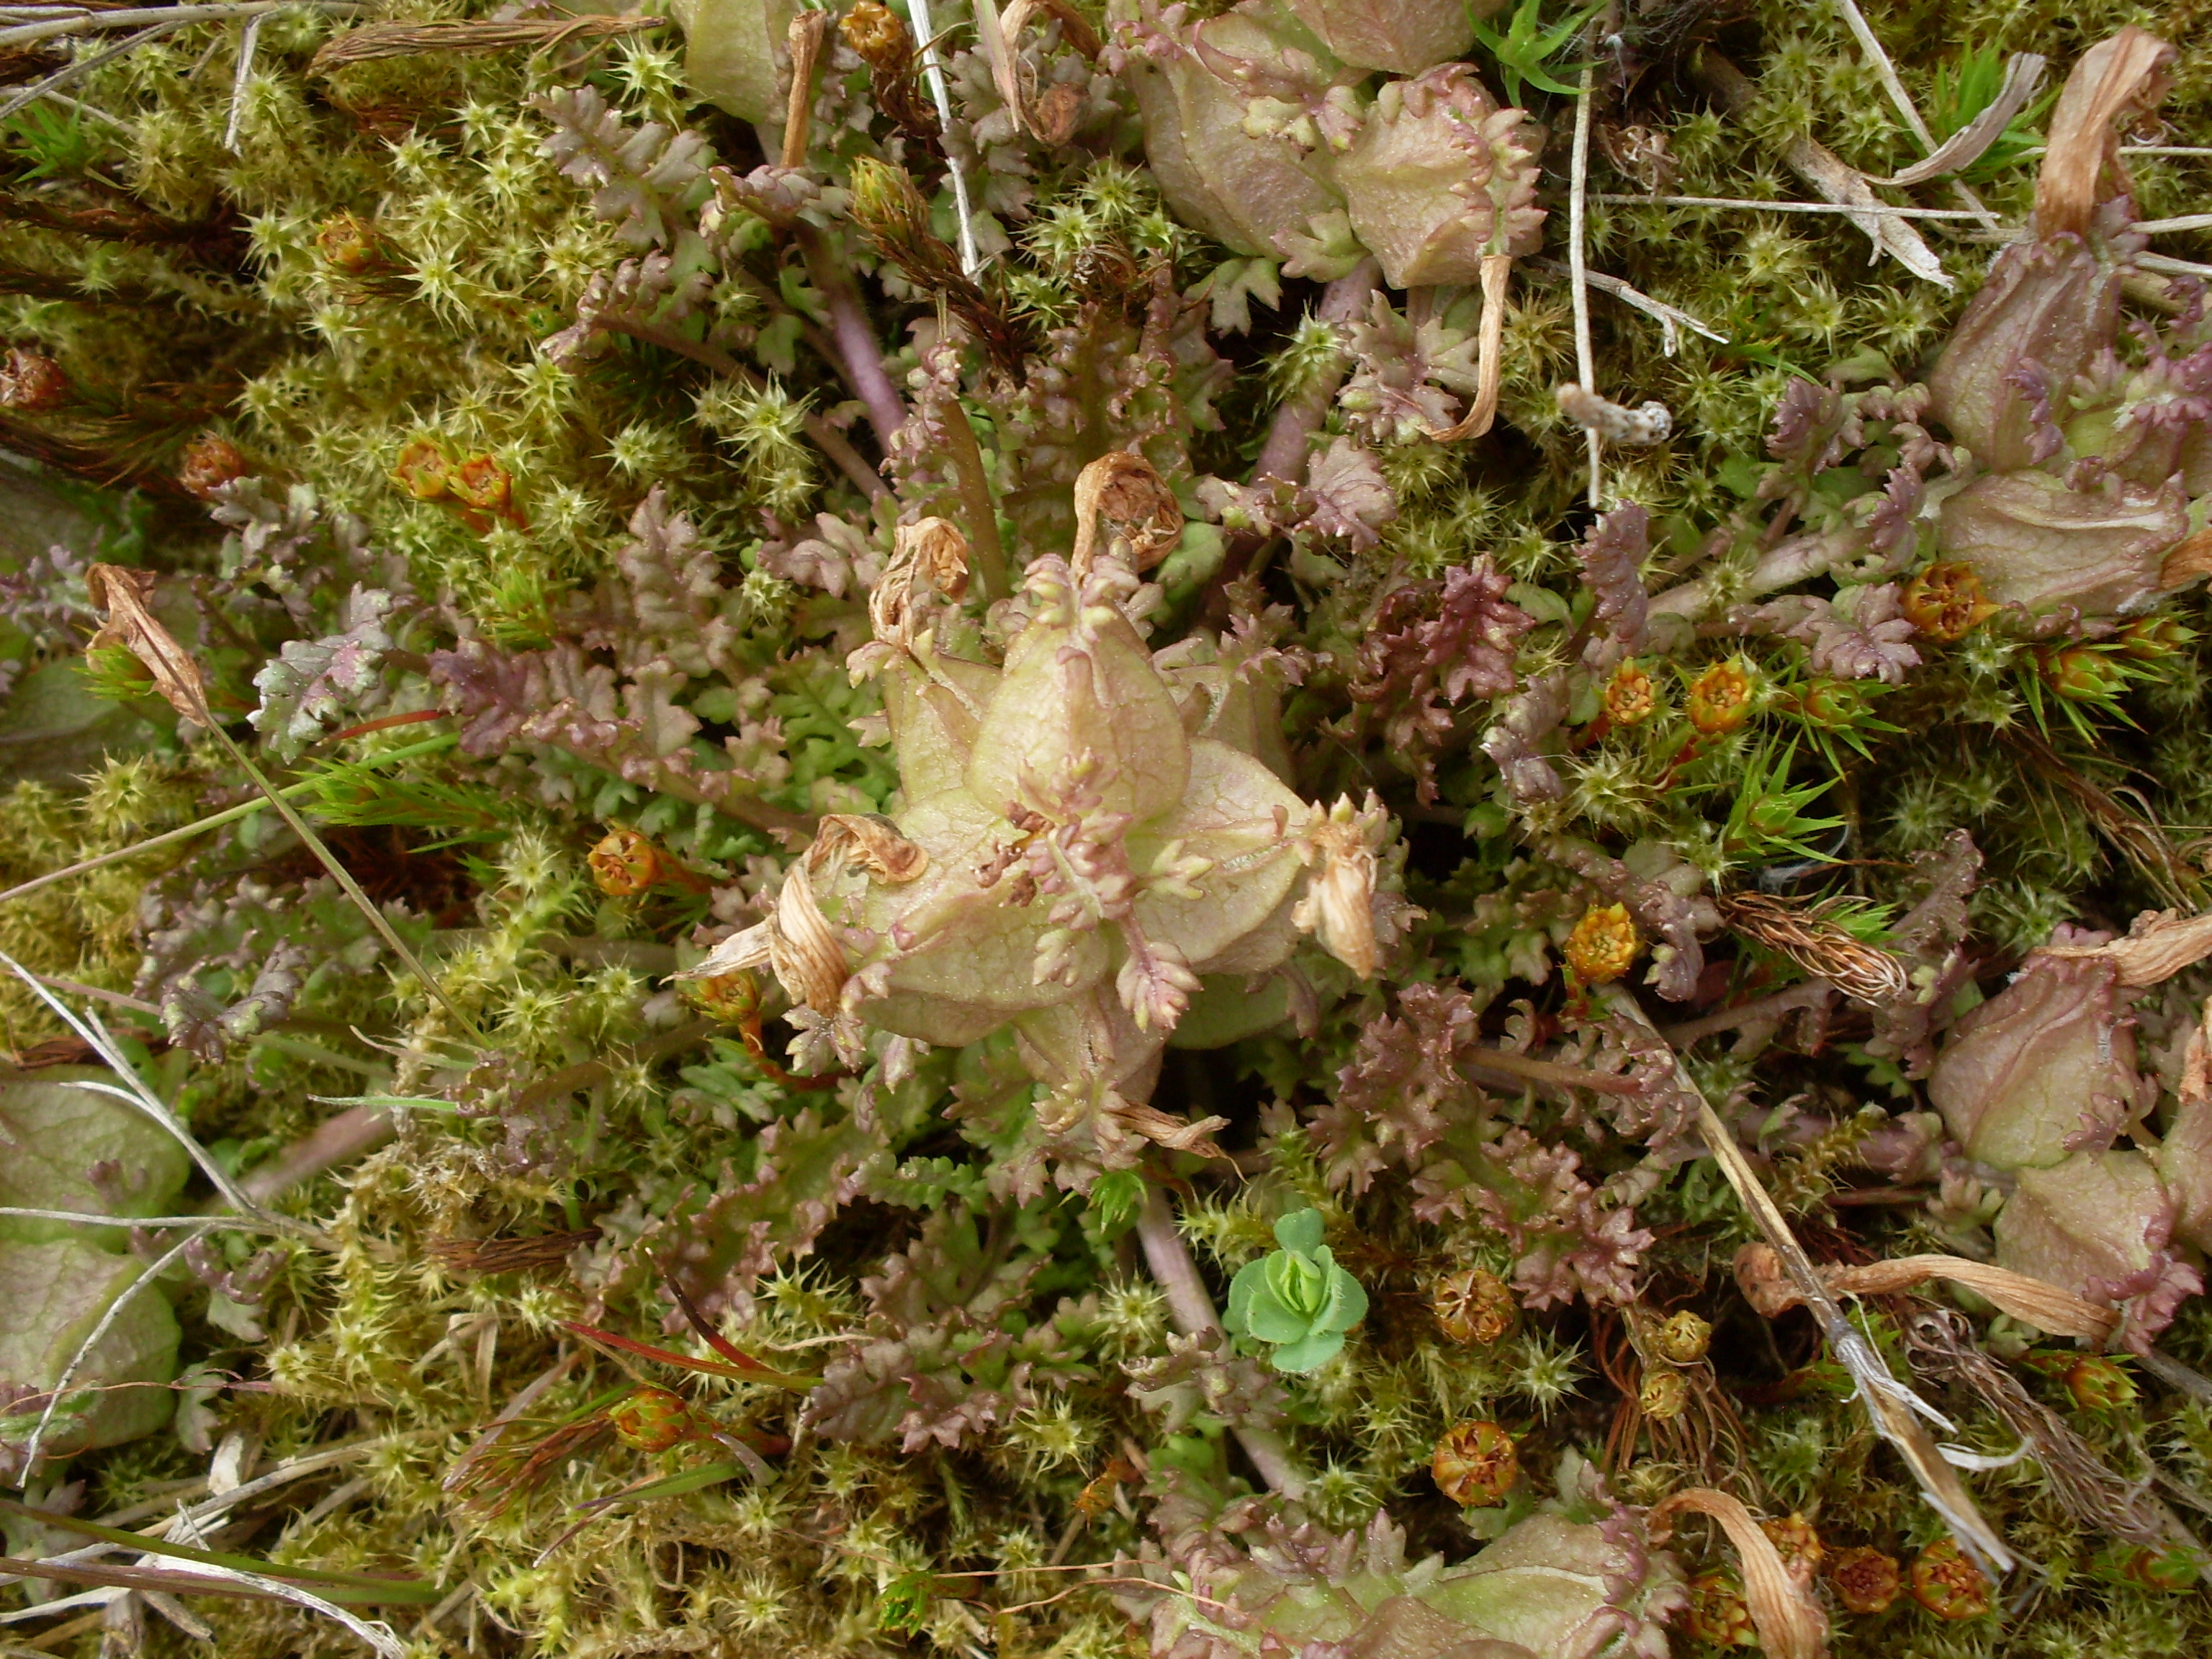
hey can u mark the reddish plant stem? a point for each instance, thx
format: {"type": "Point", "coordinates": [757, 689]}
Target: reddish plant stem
{"type": "Point", "coordinates": [858, 353]}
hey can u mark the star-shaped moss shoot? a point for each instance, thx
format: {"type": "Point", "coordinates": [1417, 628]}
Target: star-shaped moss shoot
{"type": "Point", "coordinates": [1085, 841]}
{"type": "Point", "coordinates": [1296, 1299]}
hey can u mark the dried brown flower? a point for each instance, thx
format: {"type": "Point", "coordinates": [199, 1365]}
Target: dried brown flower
{"type": "Point", "coordinates": [348, 243]}
{"type": "Point", "coordinates": [209, 462]}
{"type": "Point", "coordinates": [1473, 1306]}
{"type": "Point", "coordinates": [1820, 946]}
{"type": "Point", "coordinates": [1945, 601]}
{"type": "Point", "coordinates": [1865, 1580]}
{"type": "Point", "coordinates": [32, 381]}
{"type": "Point", "coordinates": [1683, 1340]}
{"type": "Point", "coordinates": [1475, 1464]}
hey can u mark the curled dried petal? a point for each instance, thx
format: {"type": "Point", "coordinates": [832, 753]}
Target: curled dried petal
{"type": "Point", "coordinates": [872, 841]}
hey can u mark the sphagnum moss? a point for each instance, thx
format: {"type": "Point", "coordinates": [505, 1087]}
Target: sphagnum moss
{"type": "Point", "coordinates": [1130, 782]}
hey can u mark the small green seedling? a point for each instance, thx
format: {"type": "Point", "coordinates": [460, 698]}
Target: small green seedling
{"type": "Point", "coordinates": [1296, 1299]}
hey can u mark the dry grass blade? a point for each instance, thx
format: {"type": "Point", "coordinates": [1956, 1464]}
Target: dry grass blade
{"type": "Point", "coordinates": [1805, 934]}
{"type": "Point", "coordinates": [2023, 77]}
{"type": "Point", "coordinates": [1789, 1621]}
{"type": "Point", "coordinates": [2093, 1492]}
{"type": "Point", "coordinates": [131, 624]}
{"type": "Point", "coordinates": [2116, 77]}
{"type": "Point", "coordinates": [2049, 1309]}
{"type": "Point", "coordinates": [1895, 1410]}
{"type": "Point", "coordinates": [375, 41]}
{"type": "Point", "coordinates": [213, 1581]}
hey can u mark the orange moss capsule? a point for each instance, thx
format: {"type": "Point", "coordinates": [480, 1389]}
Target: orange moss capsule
{"type": "Point", "coordinates": [482, 483]}
{"type": "Point", "coordinates": [1475, 1464]}
{"type": "Point", "coordinates": [1631, 698]}
{"type": "Point", "coordinates": [1945, 601]}
{"type": "Point", "coordinates": [732, 997]}
{"type": "Point", "coordinates": [1473, 1306]}
{"type": "Point", "coordinates": [1603, 945]}
{"type": "Point", "coordinates": [1720, 698]}
{"type": "Point", "coordinates": [1947, 1584]}
{"type": "Point", "coordinates": [1865, 1580]}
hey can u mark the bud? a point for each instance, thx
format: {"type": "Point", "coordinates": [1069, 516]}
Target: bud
{"type": "Point", "coordinates": [1475, 1464]}
{"type": "Point", "coordinates": [423, 470]}
{"type": "Point", "coordinates": [2084, 673]}
{"type": "Point", "coordinates": [1664, 1395]}
{"type": "Point", "coordinates": [482, 483]}
{"type": "Point", "coordinates": [2174, 1570]}
{"type": "Point", "coordinates": [1947, 1584]}
{"type": "Point", "coordinates": [625, 864]}
{"type": "Point", "coordinates": [348, 243]}
{"type": "Point", "coordinates": [651, 1419]}
{"type": "Point", "coordinates": [2098, 1383]}
{"type": "Point", "coordinates": [1718, 1613]}
{"type": "Point", "coordinates": [1474, 1307]}
{"type": "Point", "coordinates": [1440, 177]}
{"type": "Point", "coordinates": [32, 381]}
{"type": "Point", "coordinates": [1603, 945]}
{"type": "Point", "coordinates": [1829, 704]}
{"type": "Point", "coordinates": [1720, 698]}
{"type": "Point", "coordinates": [877, 33]}
{"type": "Point", "coordinates": [1945, 602]}
{"type": "Point", "coordinates": [2153, 639]}
{"type": "Point", "coordinates": [1864, 1580]}
{"type": "Point", "coordinates": [1683, 1340]}
{"type": "Point", "coordinates": [208, 464]}
{"type": "Point", "coordinates": [1629, 697]}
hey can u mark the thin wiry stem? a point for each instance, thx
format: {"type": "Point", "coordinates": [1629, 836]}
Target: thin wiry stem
{"type": "Point", "coordinates": [248, 45]}
{"type": "Point", "coordinates": [88, 1026]}
{"type": "Point", "coordinates": [1863, 32]}
{"type": "Point", "coordinates": [199, 827]}
{"type": "Point", "coordinates": [1192, 1307]}
{"type": "Point", "coordinates": [1781, 207]}
{"type": "Point", "coordinates": [90, 22]}
{"type": "Point", "coordinates": [106, 1323]}
{"type": "Point", "coordinates": [933, 69]}
{"type": "Point", "coordinates": [1578, 274]}
{"type": "Point", "coordinates": [72, 73]}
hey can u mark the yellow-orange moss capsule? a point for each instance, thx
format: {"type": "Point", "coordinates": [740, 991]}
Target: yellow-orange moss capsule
{"type": "Point", "coordinates": [1865, 1580]}
{"type": "Point", "coordinates": [1473, 1306]}
{"type": "Point", "coordinates": [1630, 698]}
{"type": "Point", "coordinates": [1603, 945]}
{"type": "Point", "coordinates": [625, 864]}
{"type": "Point", "coordinates": [1720, 698]}
{"type": "Point", "coordinates": [1947, 1584]}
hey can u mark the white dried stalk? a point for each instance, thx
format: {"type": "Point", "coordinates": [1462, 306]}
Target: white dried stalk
{"type": "Point", "coordinates": [1578, 268]}
{"type": "Point", "coordinates": [933, 69]}
{"type": "Point", "coordinates": [248, 45]}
